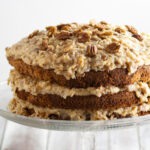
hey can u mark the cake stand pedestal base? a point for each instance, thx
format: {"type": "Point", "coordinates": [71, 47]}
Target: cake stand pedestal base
{"type": "Point", "coordinates": [103, 140]}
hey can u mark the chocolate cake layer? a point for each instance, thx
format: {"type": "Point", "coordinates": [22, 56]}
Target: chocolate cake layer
{"type": "Point", "coordinates": [108, 101]}
{"type": "Point", "coordinates": [117, 77]}
{"type": "Point", "coordinates": [25, 108]}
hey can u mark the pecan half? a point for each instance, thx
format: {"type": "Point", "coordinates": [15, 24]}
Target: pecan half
{"type": "Point", "coordinates": [113, 48]}
{"type": "Point", "coordinates": [99, 27]}
{"type": "Point", "coordinates": [83, 37]}
{"type": "Point", "coordinates": [77, 32]}
{"type": "Point", "coordinates": [44, 44]}
{"type": "Point", "coordinates": [51, 30]}
{"type": "Point", "coordinates": [63, 35]}
{"type": "Point", "coordinates": [63, 26]}
{"type": "Point", "coordinates": [33, 34]}
{"type": "Point", "coordinates": [119, 30]}
{"type": "Point", "coordinates": [137, 36]}
{"type": "Point", "coordinates": [85, 27]}
{"type": "Point", "coordinates": [104, 22]}
{"type": "Point", "coordinates": [107, 33]}
{"type": "Point", "coordinates": [132, 29]}
{"type": "Point", "coordinates": [102, 34]}
{"type": "Point", "coordinates": [92, 50]}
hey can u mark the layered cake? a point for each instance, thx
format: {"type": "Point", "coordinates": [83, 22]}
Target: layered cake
{"type": "Point", "coordinates": [94, 71]}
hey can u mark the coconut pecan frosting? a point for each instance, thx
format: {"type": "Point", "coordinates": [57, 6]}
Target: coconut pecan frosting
{"type": "Point", "coordinates": [74, 49]}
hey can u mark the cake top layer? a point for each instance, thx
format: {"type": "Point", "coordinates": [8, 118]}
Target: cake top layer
{"type": "Point", "coordinates": [74, 49]}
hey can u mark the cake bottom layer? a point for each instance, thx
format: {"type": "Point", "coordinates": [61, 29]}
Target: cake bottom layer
{"type": "Point", "coordinates": [25, 108]}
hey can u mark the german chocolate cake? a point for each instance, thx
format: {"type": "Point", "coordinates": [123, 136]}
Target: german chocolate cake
{"type": "Point", "coordinates": [94, 71]}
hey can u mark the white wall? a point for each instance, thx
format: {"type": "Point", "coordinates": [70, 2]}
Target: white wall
{"type": "Point", "coordinates": [20, 17]}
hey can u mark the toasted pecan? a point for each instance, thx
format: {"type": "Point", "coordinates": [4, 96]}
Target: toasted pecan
{"type": "Point", "coordinates": [63, 26]}
{"type": "Point", "coordinates": [102, 34]}
{"type": "Point", "coordinates": [138, 37]}
{"type": "Point", "coordinates": [51, 30]}
{"type": "Point", "coordinates": [63, 35]}
{"type": "Point", "coordinates": [83, 37]}
{"type": "Point", "coordinates": [119, 30]}
{"type": "Point", "coordinates": [92, 50]}
{"type": "Point", "coordinates": [113, 48]}
{"type": "Point", "coordinates": [44, 44]}
{"type": "Point", "coordinates": [33, 34]}
{"type": "Point", "coordinates": [132, 29]}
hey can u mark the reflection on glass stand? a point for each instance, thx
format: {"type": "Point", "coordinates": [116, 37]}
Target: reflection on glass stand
{"type": "Point", "coordinates": [39, 139]}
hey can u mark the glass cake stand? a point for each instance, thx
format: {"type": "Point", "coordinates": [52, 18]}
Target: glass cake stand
{"type": "Point", "coordinates": [86, 128]}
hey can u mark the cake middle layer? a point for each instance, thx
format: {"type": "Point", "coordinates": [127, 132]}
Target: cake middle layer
{"type": "Point", "coordinates": [44, 93]}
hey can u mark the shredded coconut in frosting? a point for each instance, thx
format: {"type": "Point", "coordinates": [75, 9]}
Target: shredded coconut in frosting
{"type": "Point", "coordinates": [73, 49]}
{"type": "Point", "coordinates": [142, 90]}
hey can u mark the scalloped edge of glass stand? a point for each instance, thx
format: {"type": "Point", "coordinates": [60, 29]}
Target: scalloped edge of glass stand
{"type": "Point", "coordinates": [62, 125]}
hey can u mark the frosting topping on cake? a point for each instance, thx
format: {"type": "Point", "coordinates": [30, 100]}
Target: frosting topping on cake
{"type": "Point", "coordinates": [74, 49]}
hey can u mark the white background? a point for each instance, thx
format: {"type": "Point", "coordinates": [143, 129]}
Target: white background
{"type": "Point", "coordinates": [18, 18]}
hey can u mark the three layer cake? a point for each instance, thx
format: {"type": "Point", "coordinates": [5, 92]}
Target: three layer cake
{"type": "Point", "coordinates": [94, 71]}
